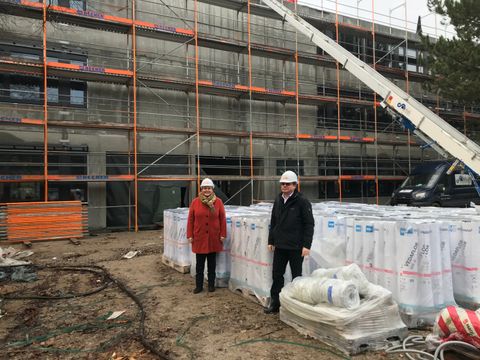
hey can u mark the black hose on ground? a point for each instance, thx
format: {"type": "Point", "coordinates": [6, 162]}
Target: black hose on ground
{"type": "Point", "coordinates": [99, 270]}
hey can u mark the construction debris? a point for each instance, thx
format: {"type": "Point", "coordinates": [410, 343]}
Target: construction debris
{"type": "Point", "coordinates": [115, 315]}
{"type": "Point", "coordinates": [130, 254]}
{"type": "Point", "coordinates": [11, 256]}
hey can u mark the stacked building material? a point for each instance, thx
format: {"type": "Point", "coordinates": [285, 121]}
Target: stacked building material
{"type": "Point", "coordinates": [251, 260]}
{"type": "Point", "coordinates": [224, 262]}
{"type": "Point", "coordinates": [370, 324]}
{"type": "Point", "coordinates": [423, 256]}
{"type": "Point", "coordinates": [37, 221]}
{"type": "Point", "coordinates": [464, 237]}
{"type": "Point", "coordinates": [411, 252]}
{"type": "Point", "coordinates": [176, 248]}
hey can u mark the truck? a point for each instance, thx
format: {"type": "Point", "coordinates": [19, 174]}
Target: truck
{"type": "Point", "coordinates": [432, 184]}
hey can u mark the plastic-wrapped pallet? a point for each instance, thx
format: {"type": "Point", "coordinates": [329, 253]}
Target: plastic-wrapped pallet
{"type": "Point", "coordinates": [381, 240]}
{"type": "Point", "coordinates": [370, 326]}
{"type": "Point", "coordinates": [251, 271]}
{"type": "Point", "coordinates": [223, 259]}
{"type": "Point", "coordinates": [387, 277]}
{"type": "Point", "coordinates": [366, 233]}
{"type": "Point", "coordinates": [420, 290]}
{"type": "Point", "coordinates": [329, 237]}
{"type": "Point", "coordinates": [176, 246]}
{"type": "Point", "coordinates": [315, 290]}
{"type": "Point", "coordinates": [465, 256]}
{"type": "Point", "coordinates": [251, 261]}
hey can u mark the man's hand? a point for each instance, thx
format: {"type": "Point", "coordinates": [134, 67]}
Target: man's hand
{"type": "Point", "coordinates": [190, 240]}
{"type": "Point", "coordinates": [305, 252]}
{"type": "Point", "coordinates": [271, 247]}
{"type": "Point", "coordinates": [222, 239]}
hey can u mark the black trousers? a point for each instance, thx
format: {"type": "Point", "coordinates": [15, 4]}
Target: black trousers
{"type": "Point", "coordinates": [280, 259]}
{"type": "Point", "coordinates": [200, 268]}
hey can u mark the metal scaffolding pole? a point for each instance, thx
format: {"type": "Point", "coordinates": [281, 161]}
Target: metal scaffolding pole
{"type": "Point", "coordinates": [197, 95]}
{"type": "Point", "coordinates": [45, 104]}
{"type": "Point", "coordinates": [297, 106]}
{"type": "Point", "coordinates": [250, 99]}
{"type": "Point", "coordinates": [375, 114]}
{"type": "Point", "coordinates": [337, 39]}
{"type": "Point", "coordinates": [135, 139]}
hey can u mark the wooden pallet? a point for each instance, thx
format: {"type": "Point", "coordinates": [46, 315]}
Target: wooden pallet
{"type": "Point", "coordinates": [248, 293]}
{"type": "Point", "coordinates": [184, 269]}
{"type": "Point", "coordinates": [350, 344]}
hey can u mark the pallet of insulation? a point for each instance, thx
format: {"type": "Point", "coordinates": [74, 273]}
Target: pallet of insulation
{"type": "Point", "coordinates": [373, 324]}
{"type": "Point", "coordinates": [176, 248]}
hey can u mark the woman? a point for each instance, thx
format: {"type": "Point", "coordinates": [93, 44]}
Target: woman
{"type": "Point", "coordinates": [206, 231]}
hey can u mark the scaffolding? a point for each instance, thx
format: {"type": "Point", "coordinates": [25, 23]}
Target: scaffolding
{"type": "Point", "coordinates": [250, 86]}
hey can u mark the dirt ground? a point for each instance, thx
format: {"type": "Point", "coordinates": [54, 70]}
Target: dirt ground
{"type": "Point", "coordinates": [179, 324]}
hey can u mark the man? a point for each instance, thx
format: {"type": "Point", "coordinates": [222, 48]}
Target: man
{"type": "Point", "coordinates": [290, 236]}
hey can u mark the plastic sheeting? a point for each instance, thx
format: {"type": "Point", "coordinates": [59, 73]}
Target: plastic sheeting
{"type": "Point", "coordinates": [464, 242]}
{"type": "Point", "coordinates": [316, 290]}
{"type": "Point", "coordinates": [251, 260]}
{"type": "Point", "coordinates": [175, 244]}
{"type": "Point", "coordinates": [424, 256]}
{"type": "Point", "coordinates": [223, 259]}
{"type": "Point", "coordinates": [421, 255]}
{"type": "Point", "coordinates": [371, 323]}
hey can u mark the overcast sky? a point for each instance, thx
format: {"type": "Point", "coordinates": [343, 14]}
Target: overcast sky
{"type": "Point", "coordinates": [383, 8]}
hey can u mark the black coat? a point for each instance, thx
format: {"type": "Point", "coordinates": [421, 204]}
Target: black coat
{"type": "Point", "coordinates": [291, 225]}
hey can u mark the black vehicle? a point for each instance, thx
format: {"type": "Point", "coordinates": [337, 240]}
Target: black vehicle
{"type": "Point", "coordinates": [430, 185]}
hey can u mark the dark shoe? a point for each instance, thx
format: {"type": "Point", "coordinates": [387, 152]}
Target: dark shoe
{"type": "Point", "coordinates": [197, 290]}
{"type": "Point", "coordinates": [272, 309]}
{"type": "Point", "coordinates": [211, 288]}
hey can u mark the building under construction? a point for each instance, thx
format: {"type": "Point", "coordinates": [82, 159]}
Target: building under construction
{"type": "Point", "coordinates": [125, 105]}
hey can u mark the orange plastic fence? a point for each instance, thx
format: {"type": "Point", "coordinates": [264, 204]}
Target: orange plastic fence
{"type": "Point", "coordinates": [36, 221]}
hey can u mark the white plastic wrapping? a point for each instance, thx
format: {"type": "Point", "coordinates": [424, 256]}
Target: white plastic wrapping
{"type": "Point", "coordinates": [316, 290]}
{"type": "Point", "coordinates": [251, 260]}
{"type": "Point", "coordinates": [465, 257]}
{"type": "Point", "coordinates": [422, 255]}
{"type": "Point", "coordinates": [375, 319]}
{"type": "Point", "coordinates": [401, 249]}
{"type": "Point", "coordinates": [351, 272]}
{"type": "Point", "coordinates": [328, 245]}
{"type": "Point", "coordinates": [176, 246]}
{"type": "Point", "coordinates": [373, 297]}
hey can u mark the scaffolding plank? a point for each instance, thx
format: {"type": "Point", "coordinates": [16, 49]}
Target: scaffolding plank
{"type": "Point", "coordinates": [37, 221]}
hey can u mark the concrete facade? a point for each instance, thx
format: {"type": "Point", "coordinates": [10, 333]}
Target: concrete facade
{"type": "Point", "coordinates": [164, 108]}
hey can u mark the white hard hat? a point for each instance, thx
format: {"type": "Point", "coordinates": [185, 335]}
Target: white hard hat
{"type": "Point", "coordinates": [207, 182]}
{"type": "Point", "coordinates": [289, 177]}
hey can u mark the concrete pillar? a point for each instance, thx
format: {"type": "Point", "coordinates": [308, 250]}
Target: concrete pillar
{"type": "Point", "coordinates": [97, 191]}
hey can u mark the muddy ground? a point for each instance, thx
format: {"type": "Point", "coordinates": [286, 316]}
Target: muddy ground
{"type": "Point", "coordinates": [178, 324]}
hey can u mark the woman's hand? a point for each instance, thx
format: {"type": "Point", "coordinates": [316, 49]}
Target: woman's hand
{"type": "Point", "coordinates": [222, 239]}
{"type": "Point", "coordinates": [190, 240]}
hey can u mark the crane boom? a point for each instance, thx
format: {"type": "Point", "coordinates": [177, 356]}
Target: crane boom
{"type": "Point", "coordinates": [426, 123]}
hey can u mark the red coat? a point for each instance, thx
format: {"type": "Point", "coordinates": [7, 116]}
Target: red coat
{"type": "Point", "coordinates": [206, 227]}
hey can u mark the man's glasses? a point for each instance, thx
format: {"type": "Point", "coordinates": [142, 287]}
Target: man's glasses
{"type": "Point", "coordinates": [286, 184]}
